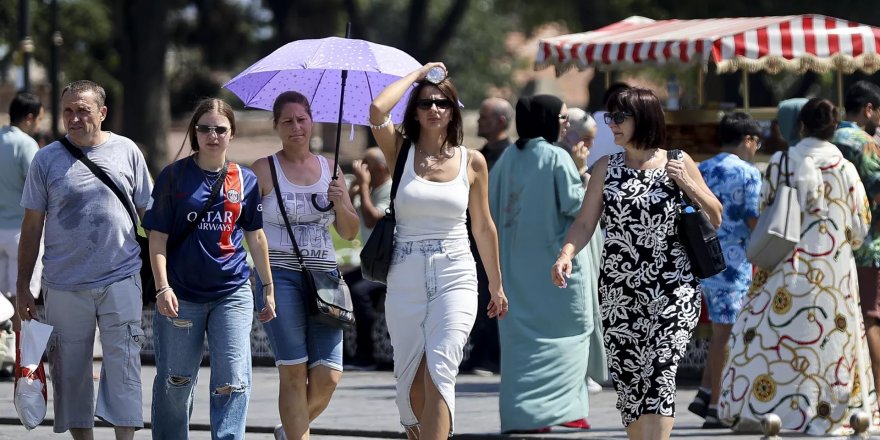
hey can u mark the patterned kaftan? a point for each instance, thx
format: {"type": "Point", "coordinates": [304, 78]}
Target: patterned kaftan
{"type": "Point", "coordinates": [798, 348]}
{"type": "Point", "coordinates": [650, 300]}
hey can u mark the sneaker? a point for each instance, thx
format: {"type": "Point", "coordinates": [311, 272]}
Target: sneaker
{"type": "Point", "coordinates": [577, 424]}
{"type": "Point", "coordinates": [593, 387]}
{"type": "Point", "coordinates": [279, 432]}
{"type": "Point", "coordinates": [700, 405]}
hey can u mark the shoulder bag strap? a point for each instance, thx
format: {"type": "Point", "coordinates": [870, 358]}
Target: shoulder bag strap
{"type": "Point", "coordinates": [215, 191]}
{"type": "Point", "coordinates": [678, 155]}
{"type": "Point", "coordinates": [102, 176]}
{"type": "Point", "coordinates": [283, 211]}
{"type": "Point", "coordinates": [398, 172]}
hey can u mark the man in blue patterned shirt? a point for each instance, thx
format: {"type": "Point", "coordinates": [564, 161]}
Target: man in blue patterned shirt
{"type": "Point", "coordinates": [854, 138]}
{"type": "Point", "coordinates": [737, 184]}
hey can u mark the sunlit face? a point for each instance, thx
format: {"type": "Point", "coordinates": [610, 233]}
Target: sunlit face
{"type": "Point", "coordinates": [433, 108]}
{"type": "Point", "coordinates": [82, 117]}
{"type": "Point", "coordinates": [294, 125]}
{"type": "Point", "coordinates": [623, 132]}
{"type": "Point", "coordinates": [207, 133]}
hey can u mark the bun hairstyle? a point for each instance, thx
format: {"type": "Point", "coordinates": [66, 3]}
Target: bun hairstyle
{"type": "Point", "coordinates": [819, 118]}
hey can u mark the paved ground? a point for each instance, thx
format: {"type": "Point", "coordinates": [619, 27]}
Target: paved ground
{"type": "Point", "coordinates": [363, 407]}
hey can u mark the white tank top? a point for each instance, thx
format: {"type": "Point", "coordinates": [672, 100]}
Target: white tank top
{"type": "Point", "coordinates": [428, 210]}
{"type": "Point", "coordinates": [311, 227]}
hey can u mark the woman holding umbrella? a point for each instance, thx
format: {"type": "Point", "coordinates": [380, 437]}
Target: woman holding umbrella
{"type": "Point", "coordinates": [308, 353]}
{"type": "Point", "coordinates": [431, 302]}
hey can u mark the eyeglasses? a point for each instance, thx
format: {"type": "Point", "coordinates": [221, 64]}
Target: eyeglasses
{"type": "Point", "coordinates": [563, 118]}
{"type": "Point", "coordinates": [616, 117]}
{"type": "Point", "coordinates": [426, 104]}
{"type": "Point", "coordinates": [219, 130]}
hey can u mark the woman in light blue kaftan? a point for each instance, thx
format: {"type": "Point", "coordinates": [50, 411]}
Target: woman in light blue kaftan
{"type": "Point", "coordinates": [535, 194]}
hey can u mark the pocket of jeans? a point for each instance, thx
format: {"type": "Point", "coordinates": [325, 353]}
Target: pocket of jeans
{"type": "Point", "coordinates": [135, 338]}
{"type": "Point", "coordinates": [398, 256]}
{"type": "Point", "coordinates": [459, 254]}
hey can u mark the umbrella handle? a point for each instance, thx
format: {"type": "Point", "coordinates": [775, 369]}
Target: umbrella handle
{"type": "Point", "coordinates": [318, 207]}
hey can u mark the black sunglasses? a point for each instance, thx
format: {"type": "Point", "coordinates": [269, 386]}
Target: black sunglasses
{"type": "Point", "coordinates": [616, 117]}
{"type": "Point", "coordinates": [219, 130]}
{"type": "Point", "coordinates": [426, 104]}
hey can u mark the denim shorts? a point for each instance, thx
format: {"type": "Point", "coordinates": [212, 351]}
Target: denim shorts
{"type": "Point", "coordinates": [295, 337]}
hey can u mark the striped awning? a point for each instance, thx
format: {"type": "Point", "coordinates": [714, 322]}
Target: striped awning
{"type": "Point", "coordinates": [797, 42]}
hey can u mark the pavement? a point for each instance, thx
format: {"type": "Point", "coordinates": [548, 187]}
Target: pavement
{"type": "Point", "coordinates": [363, 407]}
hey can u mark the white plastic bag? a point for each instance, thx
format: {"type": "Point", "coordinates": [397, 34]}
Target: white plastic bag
{"type": "Point", "coordinates": [30, 377]}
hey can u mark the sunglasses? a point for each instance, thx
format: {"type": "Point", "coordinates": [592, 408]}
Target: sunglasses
{"type": "Point", "coordinates": [426, 104]}
{"type": "Point", "coordinates": [616, 117]}
{"type": "Point", "coordinates": [756, 140]}
{"type": "Point", "coordinates": [563, 118]}
{"type": "Point", "coordinates": [218, 130]}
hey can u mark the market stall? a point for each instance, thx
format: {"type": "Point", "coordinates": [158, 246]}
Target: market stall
{"type": "Point", "coordinates": [797, 43]}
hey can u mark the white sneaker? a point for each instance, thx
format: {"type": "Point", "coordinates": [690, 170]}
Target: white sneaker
{"type": "Point", "coordinates": [279, 432]}
{"type": "Point", "coordinates": [593, 387]}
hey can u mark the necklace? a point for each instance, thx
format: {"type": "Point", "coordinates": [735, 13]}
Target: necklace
{"type": "Point", "coordinates": [650, 159]}
{"type": "Point", "coordinates": [211, 177]}
{"type": "Point", "coordinates": [445, 153]}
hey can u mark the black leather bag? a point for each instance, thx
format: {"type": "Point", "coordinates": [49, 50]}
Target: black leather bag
{"type": "Point", "coordinates": [379, 248]}
{"type": "Point", "coordinates": [698, 236]}
{"type": "Point", "coordinates": [330, 298]}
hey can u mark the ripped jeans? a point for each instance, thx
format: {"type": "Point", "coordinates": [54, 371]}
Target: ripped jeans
{"type": "Point", "coordinates": [178, 345]}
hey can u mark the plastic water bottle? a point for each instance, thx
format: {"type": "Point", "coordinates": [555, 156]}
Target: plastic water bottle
{"type": "Point", "coordinates": [688, 209]}
{"type": "Point", "coordinates": [673, 90]}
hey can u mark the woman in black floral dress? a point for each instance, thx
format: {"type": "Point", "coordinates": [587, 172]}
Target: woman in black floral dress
{"type": "Point", "coordinates": [650, 300]}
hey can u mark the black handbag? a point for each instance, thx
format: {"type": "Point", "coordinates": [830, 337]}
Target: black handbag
{"type": "Point", "coordinates": [698, 236]}
{"type": "Point", "coordinates": [379, 248]}
{"type": "Point", "coordinates": [330, 301]}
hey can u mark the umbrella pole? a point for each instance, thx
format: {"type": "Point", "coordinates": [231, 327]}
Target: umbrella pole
{"type": "Point", "coordinates": [341, 101]}
{"type": "Point", "coordinates": [839, 91]}
{"type": "Point", "coordinates": [745, 87]}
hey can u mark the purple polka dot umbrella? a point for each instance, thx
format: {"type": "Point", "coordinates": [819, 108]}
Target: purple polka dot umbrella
{"type": "Point", "coordinates": [339, 76]}
{"type": "Point", "coordinates": [314, 68]}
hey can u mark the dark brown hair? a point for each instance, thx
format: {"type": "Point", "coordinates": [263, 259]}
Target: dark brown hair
{"type": "Point", "coordinates": [411, 128]}
{"type": "Point", "coordinates": [206, 105]}
{"type": "Point", "coordinates": [647, 114]}
{"type": "Point", "coordinates": [289, 97]}
{"type": "Point", "coordinates": [818, 119]}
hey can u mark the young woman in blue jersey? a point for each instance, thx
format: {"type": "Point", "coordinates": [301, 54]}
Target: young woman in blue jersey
{"type": "Point", "coordinates": [308, 354]}
{"type": "Point", "coordinates": [202, 278]}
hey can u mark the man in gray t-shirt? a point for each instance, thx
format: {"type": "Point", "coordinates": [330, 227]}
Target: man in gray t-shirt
{"type": "Point", "coordinates": [91, 266]}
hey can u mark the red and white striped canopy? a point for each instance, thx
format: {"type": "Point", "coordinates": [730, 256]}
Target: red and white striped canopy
{"type": "Point", "coordinates": [795, 42]}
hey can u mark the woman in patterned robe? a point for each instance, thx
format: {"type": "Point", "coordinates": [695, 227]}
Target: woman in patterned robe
{"type": "Point", "coordinates": [798, 347]}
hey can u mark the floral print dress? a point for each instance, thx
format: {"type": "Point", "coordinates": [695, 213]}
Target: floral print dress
{"type": "Point", "coordinates": [650, 300]}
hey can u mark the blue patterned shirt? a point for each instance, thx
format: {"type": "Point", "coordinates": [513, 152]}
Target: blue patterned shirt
{"type": "Point", "coordinates": [737, 184]}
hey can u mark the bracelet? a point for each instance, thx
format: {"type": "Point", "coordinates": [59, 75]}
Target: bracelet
{"type": "Point", "coordinates": [267, 284]}
{"type": "Point", "coordinates": [162, 290]}
{"type": "Point", "coordinates": [383, 124]}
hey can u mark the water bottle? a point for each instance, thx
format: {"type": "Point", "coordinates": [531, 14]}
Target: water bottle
{"type": "Point", "coordinates": [673, 90]}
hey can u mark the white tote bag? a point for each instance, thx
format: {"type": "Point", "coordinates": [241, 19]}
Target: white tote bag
{"type": "Point", "coordinates": [779, 226]}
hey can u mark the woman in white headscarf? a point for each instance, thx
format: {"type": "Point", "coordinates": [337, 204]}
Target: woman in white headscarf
{"type": "Point", "coordinates": [798, 348]}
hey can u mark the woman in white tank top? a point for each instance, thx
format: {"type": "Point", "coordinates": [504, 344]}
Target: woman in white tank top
{"type": "Point", "coordinates": [308, 353]}
{"type": "Point", "coordinates": [431, 302]}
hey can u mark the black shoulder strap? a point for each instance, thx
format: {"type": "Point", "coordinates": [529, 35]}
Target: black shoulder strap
{"type": "Point", "coordinates": [102, 176]}
{"type": "Point", "coordinates": [191, 226]}
{"type": "Point", "coordinates": [398, 172]}
{"type": "Point", "coordinates": [283, 211]}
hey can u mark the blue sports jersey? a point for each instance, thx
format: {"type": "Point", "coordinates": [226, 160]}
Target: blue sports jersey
{"type": "Point", "coordinates": [211, 262]}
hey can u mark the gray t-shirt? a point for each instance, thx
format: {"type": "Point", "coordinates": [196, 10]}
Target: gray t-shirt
{"type": "Point", "coordinates": [381, 198]}
{"type": "Point", "coordinates": [89, 236]}
{"type": "Point", "coordinates": [17, 149]}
